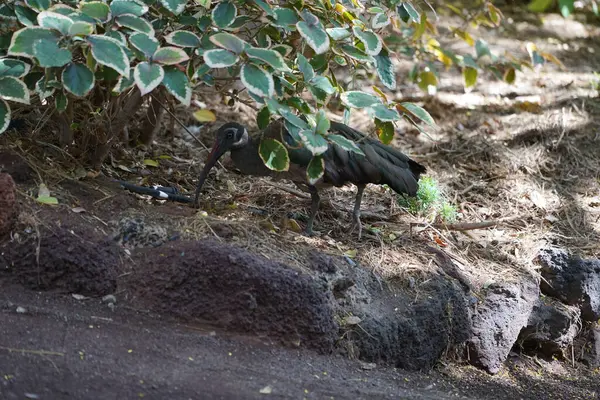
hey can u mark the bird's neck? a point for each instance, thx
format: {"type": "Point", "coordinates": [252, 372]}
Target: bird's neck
{"type": "Point", "coordinates": [247, 159]}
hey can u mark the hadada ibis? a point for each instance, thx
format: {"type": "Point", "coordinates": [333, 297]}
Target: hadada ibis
{"type": "Point", "coordinates": [381, 164]}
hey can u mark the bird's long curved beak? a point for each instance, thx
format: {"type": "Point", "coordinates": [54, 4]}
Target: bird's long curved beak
{"type": "Point", "coordinates": [216, 153]}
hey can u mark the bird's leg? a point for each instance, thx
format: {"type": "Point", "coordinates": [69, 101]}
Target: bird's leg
{"type": "Point", "coordinates": [314, 207]}
{"type": "Point", "coordinates": [356, 212]}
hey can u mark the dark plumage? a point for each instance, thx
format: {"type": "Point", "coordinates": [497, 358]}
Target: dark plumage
{"type": "Point", "coordinates": [381, 164]}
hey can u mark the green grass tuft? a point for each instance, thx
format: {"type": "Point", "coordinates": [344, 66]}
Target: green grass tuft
{"type": "Point", "coordinates": [430, 201]}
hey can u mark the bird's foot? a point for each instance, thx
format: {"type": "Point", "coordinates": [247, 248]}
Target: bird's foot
{"type": "Point", "coordinates": [356, 224]}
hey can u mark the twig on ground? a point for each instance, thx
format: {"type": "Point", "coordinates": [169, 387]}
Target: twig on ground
{"type": "Point", "coordinates": [288, 189]}
{"type": "Point", "coordinates": [37, 352]}
{"type": "Point", "coordinates": [466, 226]}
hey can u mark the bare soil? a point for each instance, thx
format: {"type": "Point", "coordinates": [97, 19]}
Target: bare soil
{"type": "Point", "coordinates": [525, 156]}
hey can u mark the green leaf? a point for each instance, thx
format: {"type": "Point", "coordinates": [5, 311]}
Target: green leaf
{"type": "Point", "coordinates": [385, 131]}
{"type": "Point", "coordinates": [61, 102]}
{"type": "Point", "coordinates": [183, 39]}
{"type": "Point", "coordinates": [124, 82]}
{"type": "Point", "coordinates": [345, 144]}
{"type": "Point", "coordinates": [26, 16]}
{"type": "Point", "coordinates": [78, 79]}
{"type": "Point", "coordinates": [385, 70]}
{"type": "Point", "coordinates": [22, 40]}
{"type": "Point", "coordinates": [52, 20]}
{"type": "Point", "coordinates": [4, 115]}
{"type": "Point", "coordinates": [263, 117]}
{"type": "Point", "coordinates": [340, 60]}
{"type": "Point", "coordinates": [13, 67]}
{"type": "Point", "coordinates": [418, 112]}
{"type": "Point", "coordinates": [356, 54]}
{"type": "Point", "coordinates": [135, 23]}
{"type": "Point", "coordinates": [274, 154]}
{"type": "Point", "coordinates": [323, 123]}
{"type": "Point", "coordinates": [566, 7]}
{"type": "Point", "coordinates": [170, 56]}
{"type": "Point", "coordinates": [81, 29]}
{"type": "Point", "coordinates": [220, 58]}
{"type": "Point", "coordinates": [284, 17]}
{"type": "Point", "coordinates": [338, 33]}
{"type": "Point", "coordinates": [257, 80]}
{"type": "Point", "coordinates": [380, 21]}
{"type": "Point", "coordinates": [144, 43]}
{"type": "Point", "coordinates": [175, 6]}
{"type": "Point", "coordinates": [322, 83]}
{"type": "Point", "coordinates": [314, 143]}
{"type": "Point", "coordinates": [12, 89]}
{"type": "Point", "coordinates": [49, 54]}
{"type": "Point", "coordinates": [539, 5]}
{"type": "Point", "coordinates": [38, 5]}
{"type": "Point", "coordinates": [315, 169]}
{"type": "Point", "coordinates": [120, 7]}
{"type": "Point", "coordinates": [372, 42]}
{"type": "Point", "coordinates": [178, 84]}
{"type": "Point", "coordinates": [239, 22]}
{"type": "Point", "coordinates": [43, 89]}
{"type": "Point", "coordinates": [119, 37]}
{"type": "Point", "coordinates": [383, 113]}
{"type": "Point", "coordinates": [148, 76]}
{"type": "Point", "coordinates": [271, 57]}
{"type": "Point", "coordinates": [151, 163]}
{"type": "Point", "coordinates": [264, 6]}
{"type": "Point", "coordinates": [224, 14]}
{"type": "Point", "coordinates": [315, 36]}
{"type": "Point", "coordinates": [482, 49]}
{"type": "Point", "coordinates": [305, 67]}
{"type": "Point", "coordinates": [470, 76]}
{"type": "Point", "coordinates": [109, 52]}
{"type": "Point", "coordinates": [293, 118]}
{"type": "Point", "coordinates": [410, 11]}
{"type": "Point", "coordinates": [229, 42]}
{"type": "Point", "coordinates": [95, 9]}
{"type": "Point", "coordinates": [358, 99]}
{"type": "Point", "coordinates": [282, 49]}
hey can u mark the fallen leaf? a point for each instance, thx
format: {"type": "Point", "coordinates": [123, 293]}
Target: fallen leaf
{"type": "Point", "coordinates": [124, 168]}
{"type": "Point", "coordinates": [351, 253]}
{"type": "Point", "coordinates": [78, 296]}
{"type": "Point", "coordinates": [230, 186]}
{"type": "Point", "coordinates": [205, 116]}
{"type": "Point", "coordinates": [78, 209]}
{"type": "Point", "coordinates": [43, 191]}
{"type": "Point", "coordinates": [352, 320]}
{"type": "Point", "coordinates": [47, 200]}
{"type": "Point", "coordinates": [79, 173]}
{"type": "Point", "coordinates": [537, 199]}
{"type": "Point", "coordinates": [439, 241]}
{"type": "Point", "coordinates": [368, 366]}
{"type": "Point", "coordinates": [266, 390]}
{"type": "Point", "coordinates": [293, 225]}
{"type": "Point", "coordinates": [151, 163]}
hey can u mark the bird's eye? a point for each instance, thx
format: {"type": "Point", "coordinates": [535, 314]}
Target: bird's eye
{"type": "Point", "coordinates": [230, 135]}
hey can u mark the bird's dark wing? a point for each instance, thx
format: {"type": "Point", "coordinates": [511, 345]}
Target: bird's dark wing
{"type": "Point", "coordinates": [381, 164]}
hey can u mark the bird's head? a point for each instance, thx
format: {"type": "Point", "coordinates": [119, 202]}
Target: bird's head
{"type": "Point", "coordinates": [229, 136]}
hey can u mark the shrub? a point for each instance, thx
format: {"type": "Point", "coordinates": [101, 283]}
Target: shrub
{"type": "Point", "coordinates": [98, 62]}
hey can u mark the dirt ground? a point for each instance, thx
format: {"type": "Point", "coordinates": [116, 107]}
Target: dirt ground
{"type": "Point", "coordinates": [523, 155]}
